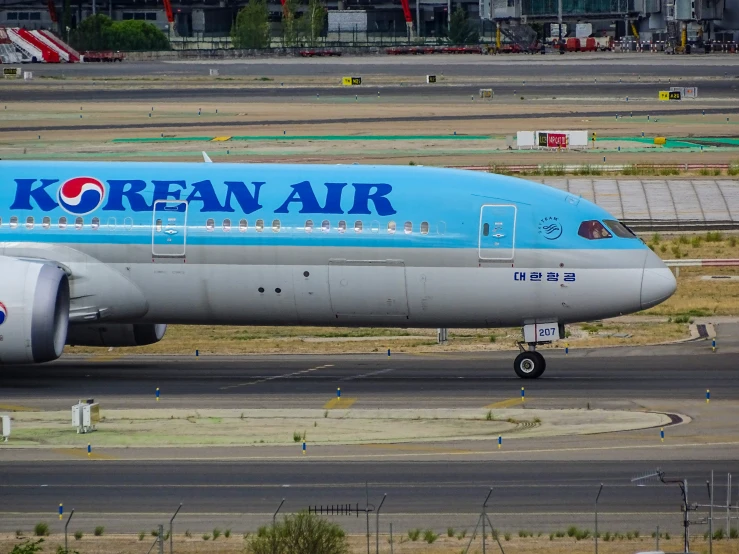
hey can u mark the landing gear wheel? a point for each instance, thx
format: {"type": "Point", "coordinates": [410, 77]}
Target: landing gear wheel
{"type": "Point", "coordinates": [529, 365]}
{"type": "Point", "coordinates": [543, 361]}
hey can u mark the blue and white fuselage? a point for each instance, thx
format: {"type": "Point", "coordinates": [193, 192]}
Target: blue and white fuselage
{"type": "Point", "coordinates": [158, 243]}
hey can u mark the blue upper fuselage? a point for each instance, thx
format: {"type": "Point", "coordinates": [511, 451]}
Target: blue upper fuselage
{"type": "Point", "coordinates": [269, 204]}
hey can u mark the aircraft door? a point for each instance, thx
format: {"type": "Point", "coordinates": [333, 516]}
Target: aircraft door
{"type": "Point", "coordinates": [497, 232]}
{"type": "Point", "coordinates": [169, 229]}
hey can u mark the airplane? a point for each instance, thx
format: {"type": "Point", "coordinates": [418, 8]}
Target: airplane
{"type": "Point", "coordinates": [109, 253]}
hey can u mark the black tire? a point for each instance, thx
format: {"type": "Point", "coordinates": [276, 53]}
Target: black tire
{"type": "Point", "coordinates": [529, 365]}
{"type": "Point", "coordinates": [543, 361]}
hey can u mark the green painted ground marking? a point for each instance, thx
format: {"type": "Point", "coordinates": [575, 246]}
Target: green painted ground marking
{"type": "Point", "coordinates": [313, 137]}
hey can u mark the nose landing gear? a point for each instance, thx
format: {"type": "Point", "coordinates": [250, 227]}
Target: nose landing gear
{"type": "Point", "coordinates": [529, 365]}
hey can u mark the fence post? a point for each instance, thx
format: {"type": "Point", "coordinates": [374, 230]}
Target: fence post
{"type": "Point", "coordinates": [161, 539]}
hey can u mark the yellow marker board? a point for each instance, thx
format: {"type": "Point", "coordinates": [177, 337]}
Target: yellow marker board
{"type": "Point", "coordinates": [664, 95]}
{"type": "Point", "coordinates": [346, 81]}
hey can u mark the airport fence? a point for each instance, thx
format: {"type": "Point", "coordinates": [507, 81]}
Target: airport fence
{"type": "Point", "coordinates": [562, 514]}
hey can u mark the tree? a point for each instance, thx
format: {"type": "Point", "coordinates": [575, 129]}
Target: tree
{"type": "Point", "coordinates": [460, 29]}
{"type": "Point", "coordinates": [304, 533]}
{"type": "Point", "coordinates": [290, 24]}
{"type": "Point", "coordinates": [314, 21]}
{"type": "Point", "coordinates": [99, 32]}
{"type": "Point", "coordinates": [92, 34]}
{"type": "Point", "coordinates": [251, 29]}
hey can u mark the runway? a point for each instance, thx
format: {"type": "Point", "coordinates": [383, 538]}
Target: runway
{"type": "Point", "coordinates": [718, 89]}
{"type": "Point", "coordinates": [655, 372]}
{"type": "Point", "coordinates": [604, 65]}
{"type": "Point", "coordinates": [538, 496]}
{"type": "Point", "coordinates": [543, 484]}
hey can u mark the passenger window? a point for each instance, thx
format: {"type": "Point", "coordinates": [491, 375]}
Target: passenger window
{"type": "Point", "coordinates": [29, 222]}
{"type": "Point", "coordinates": [260, 225]}
{"type": "Point", "coordinates": [309, 226]}
{"type": "Point", "coordinates": [1, 221]}
{"type": "Point", "coordinates": [408, 227]}
{"type": "Point", "coordinates": [276, 226]}
{"type": "Point", "coordinates": [46, 222]}
{"type": "Point", "coordinates": [325, 226]}
{"type": "Point", "coordinates": [357, 226]}
{"type": "Point", "coordinates": [95, 223]}
{"type": "Point", "coordinates": [593, 230]}
{"type": "Point", "coordinates": [619, 229]}
{"type": "Point", "coordinates": [243, 226]}
{"type": "Point", "coordinates": [210, 225]}
{"type": "Point", "coordinates": [486, 229]}
{"type": "Point", "coordinates": [79, 223]}
{"type": "Point", "coordinates": [342, 226]}
{"type": "Point", "coordinates": [391, 227]}
{"type": "Point", "coordinates": [62, 222]}
{"type": "Point", "coordinates": [441, 228]}
{"type": "Point", "coordinates": [128, 223]}
{"type": "Point", "coordinates": [226, 225]}
{"type": "Point", "coordinates": [158, 226]}
{"type": "Point", "coordinates": [111, 223]}
{"type": "Point", "coordinates": [13, 222]}
{"type": "Point", "coordinates": [425, 227]}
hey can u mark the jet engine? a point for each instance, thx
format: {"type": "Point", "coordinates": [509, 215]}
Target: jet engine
{"type": "Point", "coordinates": [115, 334]}
{"type": "Point", "coordinates": [34, 311]}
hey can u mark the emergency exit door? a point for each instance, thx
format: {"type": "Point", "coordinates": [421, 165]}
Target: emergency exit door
{"type": "Point", "coordinates": [497, 232]}
{"type": "Point", "coordinates": [169, 228]}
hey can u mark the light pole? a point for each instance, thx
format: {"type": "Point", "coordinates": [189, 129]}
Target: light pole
{"type": "Point", "coordinates": [377, 525]}
{"type": "Point", "coordinates": [66, 546]}
{"type": "Point", "coordinates": [596, 517]}
{"type": "Point", "coordinates": [171, 521]}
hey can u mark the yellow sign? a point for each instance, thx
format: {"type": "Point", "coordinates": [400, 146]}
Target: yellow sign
{"type": "Point", "coordinates": [664, 95]}
{"type": "Point", "coordinates": [349, 81]}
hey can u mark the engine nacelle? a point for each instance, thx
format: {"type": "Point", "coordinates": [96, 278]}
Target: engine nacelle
{"type": "Point", "coordinates": [115, 334]}
{"type": "Point", "coordinates": [34, 311]}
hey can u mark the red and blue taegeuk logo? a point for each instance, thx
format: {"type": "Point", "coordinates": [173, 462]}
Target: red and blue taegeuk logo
{"type": "Point", "coordinates": [81, 195]}
{"type": "Point", "coordinates": [3, 313]}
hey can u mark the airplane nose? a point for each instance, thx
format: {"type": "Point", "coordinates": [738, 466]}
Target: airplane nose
{"type": "Point", "coordinates": [657, 284]}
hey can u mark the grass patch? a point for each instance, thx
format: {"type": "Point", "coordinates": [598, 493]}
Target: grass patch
{"type": "Point", "coordinates": [41, 530]}
{"type": "Point", "coordinates": [142, 534]}
{"type": "Point", "coordinates": [78, 535]}
{"type": "Point", "coordinates": [429, 536]}
{"type": "Point", "coordinates": [413, 534]}
{"type": "Point", "coordinates": [216, 533]}
{"type": "Point", "coordinates": [99, 530]}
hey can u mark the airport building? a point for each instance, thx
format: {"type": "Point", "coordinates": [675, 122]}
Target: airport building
{"type": "Point", "coordinates": [354, 21]}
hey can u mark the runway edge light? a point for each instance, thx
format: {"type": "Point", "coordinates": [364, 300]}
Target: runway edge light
{"type": "Point", "coordinates": [523, 395]}
{"type": "Point", "coordinates": [157, 394]}
{"type": "Point", "coordinates": [89, 449]}
{"type": "Point", "coordinates": [500, 441]}
{"type": "Point", "coordinates": [662, 434]}
{"type": "Point", "coordinates": [708, 395]}
{"type": "Point", "coordinates": [303, 447]}
{"type": "Point", "coordinates": [61, 510]}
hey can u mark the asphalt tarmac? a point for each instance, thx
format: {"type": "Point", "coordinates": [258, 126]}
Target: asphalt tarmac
{"type": "Point", "coordinates": [528, 495]}
{"type": "Point", "coordinates": [587, 65]}
{"type": "Point", "coordinates": [541, 485]}
{"type": "Point", "coordinates": [716, 89]}
{"type": "Point", "coordinates": [674, 372]}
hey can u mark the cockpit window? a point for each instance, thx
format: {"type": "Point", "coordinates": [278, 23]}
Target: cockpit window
{"type": "Point", "coordinates": [593, 230]}
{"type": "Point", "coordinates": [619, 229]}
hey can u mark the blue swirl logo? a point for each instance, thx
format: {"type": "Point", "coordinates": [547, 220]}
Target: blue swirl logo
{"type": "Point", "coordinates": [551, 228]}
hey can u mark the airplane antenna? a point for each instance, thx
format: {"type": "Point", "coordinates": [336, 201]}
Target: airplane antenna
{"type": "Point", "coordinates": [206, 158]}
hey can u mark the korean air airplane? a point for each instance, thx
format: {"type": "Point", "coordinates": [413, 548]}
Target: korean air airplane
{"type": "Point", "coordinates": [108, 254]}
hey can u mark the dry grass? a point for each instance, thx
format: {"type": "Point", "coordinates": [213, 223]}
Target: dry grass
{"type": "Point", "coordinates": [185, 339]}
{"type": "Point", "coordinates": [697, 297]}
{"type": "Point", "coordinates": [130, 544]}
